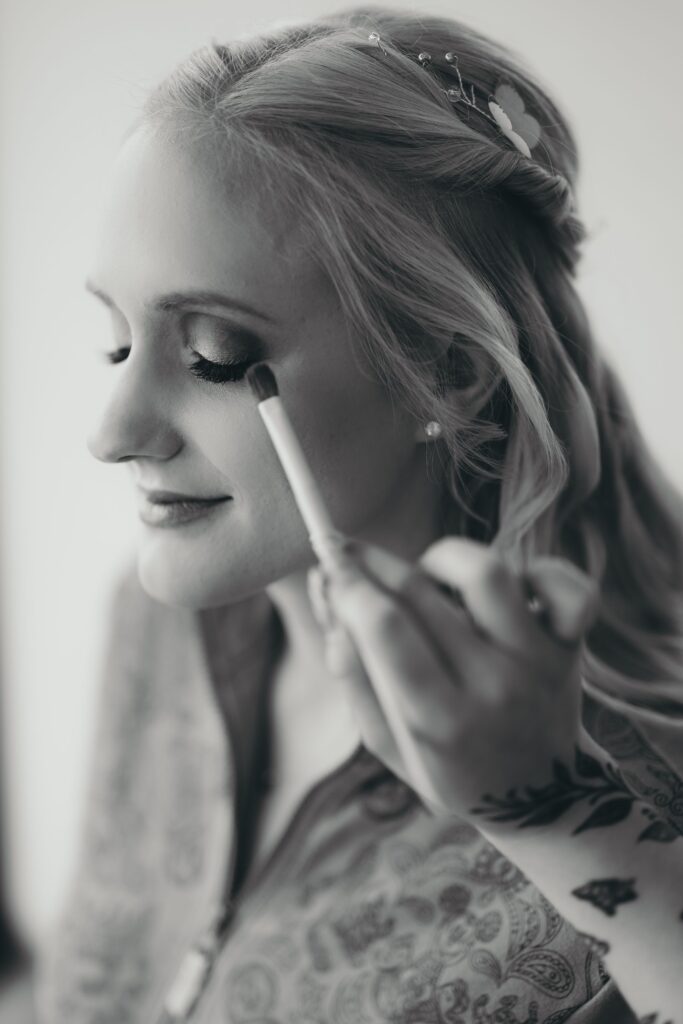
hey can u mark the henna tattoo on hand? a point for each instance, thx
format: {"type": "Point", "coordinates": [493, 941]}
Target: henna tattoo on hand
{"type": "Point", "coordinates": [602, 787]}
{"type": "Point", "coordinates": [645, 771]}
{"type": "Point", "coordinates": [660, 831]}
{"type": "Point", "coordinates": [607, 894]}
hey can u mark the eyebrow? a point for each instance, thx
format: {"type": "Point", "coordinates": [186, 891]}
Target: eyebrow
{"type": "Point", "coordinates": [178, 301]}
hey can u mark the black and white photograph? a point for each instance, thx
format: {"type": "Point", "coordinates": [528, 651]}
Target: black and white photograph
{"type": "Point", "coordinates": [341, 520]}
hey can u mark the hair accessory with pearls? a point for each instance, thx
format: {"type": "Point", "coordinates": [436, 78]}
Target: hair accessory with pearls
{"type": "Point", "coordinates": [524, 132]}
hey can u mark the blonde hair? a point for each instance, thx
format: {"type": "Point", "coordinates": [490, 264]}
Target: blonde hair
{"type": "Point", "coordinates": [453, 256]}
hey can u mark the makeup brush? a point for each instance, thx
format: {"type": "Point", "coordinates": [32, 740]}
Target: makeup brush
{"type": "Point", "coordinates": [327, 542]}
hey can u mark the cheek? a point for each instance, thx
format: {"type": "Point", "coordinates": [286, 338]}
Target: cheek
{"type": "Point", "coordinates": [358, 446]}
{"type": "Point", "coordinates": [233, 439]}
{"type": "Point", "coordinates": [355, 439]}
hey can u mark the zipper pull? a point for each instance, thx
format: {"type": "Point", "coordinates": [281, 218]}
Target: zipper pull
{"type": "Point", "coordinates": [188, 985]}
{"type": "Point", "coordinates": [195, 969]}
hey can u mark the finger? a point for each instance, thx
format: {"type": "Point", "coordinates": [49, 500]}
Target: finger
{"type": "Point", "coordinates": [444, 623]}
{"type": "Point", "coordinates": [496, 597]}
{"type": "Point", "coordinates": [406, 675]}
{"type": "Point", "coordinates": [435, 608]}
{"type": "Point", "coordinates": [571, 598]}
{"type": "Point", "coordinates": [343, 661]}
{"type": "Point", "coordinates": [341, 656]}
{"type": "Point", "coordinates": [397, 654]}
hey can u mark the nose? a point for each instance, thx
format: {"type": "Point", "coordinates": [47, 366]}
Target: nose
{"type": "Point", "coordinates": [135, 422]}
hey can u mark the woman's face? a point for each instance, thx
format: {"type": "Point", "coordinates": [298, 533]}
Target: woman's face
{"type": "Point", "coordinates": [188, 269]}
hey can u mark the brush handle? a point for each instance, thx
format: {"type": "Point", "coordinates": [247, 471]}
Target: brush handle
{"type": "Point", "coordinates": [328, 545]}
{"type": "Point", "coordinates": [343, 654]}
{"type": "Point", "coordinates": [410, 754]}
{"type": "Point", "coordinates": [325, 538]}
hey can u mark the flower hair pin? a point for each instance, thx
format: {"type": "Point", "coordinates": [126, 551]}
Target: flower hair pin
{"type": "Point", "coordinates": [524, 133]}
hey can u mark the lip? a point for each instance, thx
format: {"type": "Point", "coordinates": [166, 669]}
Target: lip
{"type": "Point", "coordinates": [168, 496]}
{"type": "Point", "coordinates": [174, 512]}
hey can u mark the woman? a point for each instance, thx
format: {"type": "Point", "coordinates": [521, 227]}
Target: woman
{"type": "Point", "coordinates": [342, 201]}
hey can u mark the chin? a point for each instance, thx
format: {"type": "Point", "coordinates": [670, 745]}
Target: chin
{"type": "Point", "coordinates": [186, 584]}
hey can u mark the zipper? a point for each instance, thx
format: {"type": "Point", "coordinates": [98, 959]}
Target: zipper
{"type": "Point", "coordinates": [196, 967]}
{"type": "Point", "coordinates": [194, 972]}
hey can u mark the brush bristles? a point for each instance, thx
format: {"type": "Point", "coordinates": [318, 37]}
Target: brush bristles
{"type": "Point", "coordinates": [262, 381]}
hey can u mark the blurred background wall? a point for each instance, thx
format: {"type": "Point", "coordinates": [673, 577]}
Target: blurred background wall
{"type": "Point", "coordinates": [72, 75]}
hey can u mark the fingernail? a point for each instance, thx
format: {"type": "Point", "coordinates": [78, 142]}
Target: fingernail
{"type": "Point", "coordinates": [318, 587]}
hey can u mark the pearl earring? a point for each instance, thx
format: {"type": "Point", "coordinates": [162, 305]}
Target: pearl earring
{"type": "Point", "coordinates": [433, 429]}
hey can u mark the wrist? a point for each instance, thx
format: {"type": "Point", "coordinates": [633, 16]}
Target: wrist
{"type": "Point", "coordinates": [581, 793]}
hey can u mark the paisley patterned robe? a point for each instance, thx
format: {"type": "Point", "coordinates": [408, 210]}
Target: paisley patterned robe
{"type": "Point", "coordinates": [369, 910]}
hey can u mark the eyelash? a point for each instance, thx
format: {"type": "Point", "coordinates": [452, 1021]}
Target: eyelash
{"type": "Point", "coordinates": [216, 373]}
{"type": "Point", "coordinates": [220, 373]}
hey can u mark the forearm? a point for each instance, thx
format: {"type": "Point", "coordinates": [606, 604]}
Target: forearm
{"type": "Point", "coordinates": [608, 881]}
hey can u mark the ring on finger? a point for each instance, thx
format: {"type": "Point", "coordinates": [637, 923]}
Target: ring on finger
{"type": "Point", "coordinates": [534, 602]}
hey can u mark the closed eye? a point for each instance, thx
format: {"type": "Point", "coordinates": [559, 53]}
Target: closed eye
{"type": "Point", "coordinates": [205, 369]}
{"type": "Point", "coordinates": [220, 373]}
{"type": "Point", "coordinates": [117, 356]}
